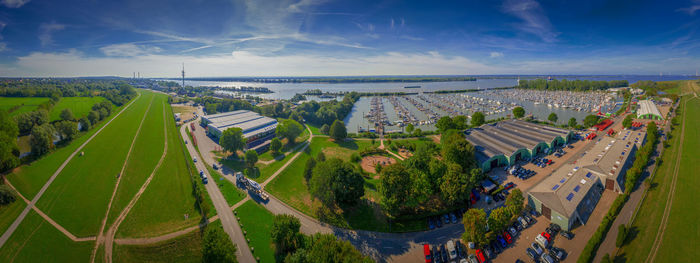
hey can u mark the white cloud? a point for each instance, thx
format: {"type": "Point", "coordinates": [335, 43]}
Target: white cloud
{"type": "Point", "coordinates": [691, 9]}
{"type": "Point", "coordinates": [534, 19]}
{"type": "Point", "coordinates": [128, 50]}
{"type": "Point", "coordinates": [496, 54]}
{"type": "Point", "coordinates": [391, 24]}
{"type": "Point", "coordinates": [14, 3]}
{"type": "Point", "coordinates": [3, 46]}
{"type": "Point", "coordinates": [46, 31]}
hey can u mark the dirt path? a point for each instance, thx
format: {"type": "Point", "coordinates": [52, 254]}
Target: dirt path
{"type": "Point", "coordinates": [112, 231]}
{"type": "Point", "coordinates": [100, 236]}
{"type": "Point", "coordinates": [5, 236]}
{"type": "Point", "coordinates": [671, 193]}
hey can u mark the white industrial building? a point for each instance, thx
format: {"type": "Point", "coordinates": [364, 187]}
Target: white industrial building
{"type": "Point", "coordinates": [256, 128]}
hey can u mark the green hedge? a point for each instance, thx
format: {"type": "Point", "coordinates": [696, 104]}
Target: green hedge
{"type": "Point", "coordinates": [589, 251]}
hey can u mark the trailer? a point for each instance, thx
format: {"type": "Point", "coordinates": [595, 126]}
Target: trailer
{"type": "Point", "coordinates": [252, 186]}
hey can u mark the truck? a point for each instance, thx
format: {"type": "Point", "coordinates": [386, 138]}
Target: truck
{"type": "Point", "coordinates": [251, 185]}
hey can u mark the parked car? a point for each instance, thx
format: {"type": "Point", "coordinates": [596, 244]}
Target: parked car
{"type": "Point", "coordinates": [522, 221]}
{"type": "Point", "coordinates": [507, 237]}
{"type": "Point", "coordinates": [453, 218]}
{"type": "Point", "coordinates": [194, 159]}
{"type": "Point", "coordinates": [510, 185]}
{"type": "Point", "coordinates": [501, 241]}
{"type": "Point", "coordinates": [445, 219]}
{"type": "Point", "coordinates": [214, 166]}
{"type": "Point", "coordinates": [546, 258]}
{"type": "Point", "coordinates": [495, 247]}
{"type": "Point", "coordinates": [568, 235]}
{"type": "Point", "coordinates": [452, 252]}
{"type": "Point", "coordinates": [557, 253]}
{"type": "Point", "coordinates": [436, 255]}
{"type": "Point", "coordinates": [201, 173]}
{"type": "Point", "coordinates": [480, 256]}
{"type": "Point", "coordinates": [427, 254]}
{"type": "Point", "coordinates": [555, 227]}
{"type": "Point", "coordinates": [438, 222]}
{"type": "Point", "coordinates": [537, 248]}
{"type": "Point", "coordinates": [547, 236]}
{"type": "Point", "coordinates": [488, 252]}
{"type": "Point", "coordinates": [461, 251]}
{"type": "Point", "coordinates": [512, 231]}
{"type": "Point", "coordinates": [531, 253]}
{"type": "Point", "coordinates": [443, 253]}
{"type": "Point", "coordinates": [472, 258]}
{"type": "Point", "coordinates": [542, 241]}
{"type": "Point", "coordinates": [517, 226]}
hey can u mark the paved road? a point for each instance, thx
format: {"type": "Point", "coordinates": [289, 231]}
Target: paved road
{"type": "Point", "coordinates": [225, 213]}
{"type": "Point", "coordinates": [5, 236]}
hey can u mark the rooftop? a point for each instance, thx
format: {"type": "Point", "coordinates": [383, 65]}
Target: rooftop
{"type": "Point", "coordinates": [506, 137]}
{"type": "Point", "coordinates": [565, 188]}
{"type": "Point", "coordinates": [648, 107]}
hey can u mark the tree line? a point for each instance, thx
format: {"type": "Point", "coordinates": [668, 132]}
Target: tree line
{"type": "Point", "coordinates": [116, 91]}
{"type": "Point", "coordinates": [571, 85]}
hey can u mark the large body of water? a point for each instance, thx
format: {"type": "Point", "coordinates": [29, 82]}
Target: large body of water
{"type": "Point", "coordinates": [356, 119]}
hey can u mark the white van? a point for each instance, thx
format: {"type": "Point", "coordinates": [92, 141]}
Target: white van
{"type": "Point", "coordinates": [542, 241]}
{"type": "Point", "coordinates": [451, 250]}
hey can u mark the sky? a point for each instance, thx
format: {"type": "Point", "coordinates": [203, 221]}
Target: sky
{"type": "Point", "coordinates": [217, 38]}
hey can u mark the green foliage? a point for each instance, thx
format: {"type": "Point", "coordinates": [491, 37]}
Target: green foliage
{"type": "Point", "coordinates": [67, 115]}
{"type": "Point", "coordinates": [478, 119]}
{"type": "Point", "coordinates": [94, 117]}
{"type": "Point", "coordinates": [606, 259]}
{"type": "Point", "coordinates": [573, 85]}
{"type": "Point", "coordinates": [289, 129]}
{"type": "Point", "coordinates": [338, 131]}
{"type": "Point", "coordinates": [395, 187]}
{"type": "Point", "coordinates": [409, 128]}
{"type": "Point", "coordinates": [251, 157]}
{"type": "Point", "coordinates": [474, 221]}
{"type": "Point", "coordinates": [85, 124]}
{"type": "Point", "coordinates": [590, 120]}
{"type": "Point", "coordinates": [445, 123]}
{"type": "Point", "coordinates": [456, 149]}
{"type": "Point", "coordinates": [275, 145]}
{"type": "Point", "coordinates": [621, 235]}
{"type": "Point", "coordinates": [325, 129]}
{"type": "Point", "coordinates": [285, 234]}
{"type": "Point", "coordinates": [455, 184]}
{"type": "Point", "coordinates": [460, 122]}
{"type": "Point", "coordinates": [335, 181]}
{"type": "Point", "coordinates": [67, 129]}
{"type": "Point", "coordinates": [26, 121]}
{"type": "Point", "coordinates": [518, 112]}
{"type": "Point", "coordinates": [309, 168]}
{"type": "Point", "coordinates": [232, 140]}
{"type": "Point", "coordinates": [553, 117]}
{"type": "Point", "coordinates": [355, 158]}
{"type": "Point", "coordinates": [515, 202]}
{"type": "Point", "coordinates": [7, 196]}
{"type": "Point", "coordinates": [499, 219]}
{"type": "Point", "coordinates": [327, 112]}
{"type": "Point", "coordinates": [41, 139]}
{"type": "Point", "coordinates": [328, 248]}
{"type": "Point", "coordinates": [627, 122]}
{"type": "Point", "coordinates": [572, 122]}
{"type": "Point", "coordinates": [9, 152]}
{"type": "Point", "coordinates": [217, 246]}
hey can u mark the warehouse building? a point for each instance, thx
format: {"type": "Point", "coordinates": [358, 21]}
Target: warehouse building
{"type": "Point", "coordinates": [571, 193]}
{"type": "Point", "coordinates": [506, 142]}
{"type": "Point", "coordinates": [648, 110]}
{"type": "Point", "coordinates": [256, 128]}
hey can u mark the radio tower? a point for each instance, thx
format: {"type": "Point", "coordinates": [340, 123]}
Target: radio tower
{"type": "Point", "coordinates": [183, 74]}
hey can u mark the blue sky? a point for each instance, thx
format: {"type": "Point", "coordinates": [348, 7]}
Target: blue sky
{"type": "Point", "coordinates": [359, 37]}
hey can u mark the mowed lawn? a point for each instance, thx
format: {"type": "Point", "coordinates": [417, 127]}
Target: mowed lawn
{"type": "Point", "coordinates": [37, 241]}
{"type": "Point", "coordinates": [185, 248]}
{"type": "Point", "coordinates": [80, 106]}
{"type": "Point", "coordinates": [78, 197]}
{"type": "Point", "coordinates": [682, 236]}
{"type": "Point", "coordinates": [25, 104]}
{"type": "Point", "coordinates": [170, 194]}
{"type": "Point", "coordinates": [8, 213]}
{"type": "Point", "coordinates": [257, 222]}
{"type": "Point", "coordinates": [682, 231]}
{"type": "Point", "coordinates": [28, 179]}
{"type": "Point", "coordinates": [148, 148]}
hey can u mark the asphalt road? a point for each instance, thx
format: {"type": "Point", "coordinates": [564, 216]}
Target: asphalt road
{"type": "Point", "coordinates": [225, 213]}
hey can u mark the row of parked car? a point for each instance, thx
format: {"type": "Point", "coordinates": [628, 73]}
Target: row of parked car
{"type": "Point", "coordinates": [449, 218]}
{"type": "Point", "coordinates": [521, 172]}
{"type": "Point", "coordinates": [542, 249]}
{"type": "Point", "coordinates": [452, 251]}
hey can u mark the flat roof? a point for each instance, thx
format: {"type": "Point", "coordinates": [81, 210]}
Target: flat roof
{"type": "Point", "coordinates": [250, 122]}
{"type": "Point", "coordinates": [648, 107]}
{"type": "Point", "coordinates": [565, 188]}
{"type": "Point", "coordinates": [506, 137]}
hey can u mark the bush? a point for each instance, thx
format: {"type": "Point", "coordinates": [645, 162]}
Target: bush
{"type": "Point", "coordinates": [621, 235]}
{"type": "Point", "coordinates": [355, 157]}
{"type": "Point", "coordinates": [6, 195]}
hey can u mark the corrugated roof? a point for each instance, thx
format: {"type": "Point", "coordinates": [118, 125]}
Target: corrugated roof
{"type": "Point", "coordinates": [507, 137]}
{"type": "Point", "coordinates": [648, 107]}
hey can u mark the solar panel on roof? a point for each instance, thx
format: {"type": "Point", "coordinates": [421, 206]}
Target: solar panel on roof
{"type": "Point", "coordinates": [570, 196]}
{"type": "Point", "coordinates": [555, 187]}
{"type": "Point", "coordinates": [578, 187]}
{"type": "Point", "coordinates": [562, 180]}
{"type": "Point", "coordinates": [588, 175]}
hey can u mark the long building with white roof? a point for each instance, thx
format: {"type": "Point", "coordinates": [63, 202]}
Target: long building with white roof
{"type": "Point", "coordinates": [648, 110]}
{"type": "Point", "coordinates": [256, 128]}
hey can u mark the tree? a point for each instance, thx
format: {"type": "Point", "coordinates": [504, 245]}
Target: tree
{"type": "Point", "coordinates": [41, 139]}
{"type": "Point", "coordinates": [289, 129]}
{"type": "Point", "coordinates": [85, 124]}
{"type": "Point", "coordinates": [328, 248]}
{"type": "Point", "coordinates": [337, 181]}
{"type": "Point", "coordinates": [455, 148]}
{"type": "Point", "coordinates": [232, 140]}
{"type": "Point", "coordinates": [499, 219]}
{"type": "Point", "coordinates": [515, 201]}
{"type": "Point", "coordinates": [94, 117]}
{"type": "Point", "coordinates": [553, 117]}
{"type": "Point", "coordinates": [606, 259]}
{"type": "Point", "coordinates": [7, 196]}
{"type": "Point", "coordinates": [395, 187]}
{"type": "Point", "coordinates": [275, 145]}
{"type": "Point", "coordinates": [285, 234]}
{"type": "Point", "coordinates": [217, 246]}
{"type": "Point", "coordinates": [409, 128]}
{"type": "Point", "coordinates": [325, 129]}
{"type": "Point", "coordinates": [309, 168]}
{"type": "Point", "coordinates": [460, 122]}
{"type": "Point", "coordinates": [627, 122]}
{"type": "Point", "coordinates": [621, 235]}
{"type": "Point", "coordinates": [478, 119]}
{"type": "Point", "coordinates": [26, 121]}
{"type": "Point", "coordinates": [455, 185]}
{"type": "Point", "coordinates": [251, 157]}
{"type": "Point", "coordinates": [67, 129]}
{"type": "Point", "coordinates": [9, 152]}
{"type": "Point", "coordinates": [590, 120]}
{"type": "Point", "coordinates": [572, 122]}
{"type": "Point", "coordinates": [67, 115]}
{"type": "Point", "coordinates": [417, 133]}
{"type": "Point", "coordinates": [445, 123]}
{"type": "Point", "coordinates": [518, 112]}
{"type": "Point", "coordinates": [104, 113]}
{"type": "Point", "coordinates": [474, 221]}
{"type": "Point", "coordinates": [338, 131]}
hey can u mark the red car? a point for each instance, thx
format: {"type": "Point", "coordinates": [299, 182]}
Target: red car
{"type": "Point", "coordinates": [426, 253]}
{"type": "Point", "coordinates": [480, 256]}
{"type": "Point", "coordinates": [507, 237]}
{"type": "Point", "coordinates": [509, 185]}
{"type": "Point", "coordinates": [547, 236]}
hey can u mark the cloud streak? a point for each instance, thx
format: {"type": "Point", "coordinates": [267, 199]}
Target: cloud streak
{"type": "Point", "coordinates": [14, 3]}
{"type": "Point", "coordinates": [533, 17]}
{"type": "Point", "coordinates": [46, 31]}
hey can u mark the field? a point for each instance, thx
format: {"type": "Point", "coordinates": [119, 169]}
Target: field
{"type": "Point", "coordinates": [257, 221]}
{"type": "Point", "coordinates": [78, 197]}
{"type": "Point", "coordinates": [172, 183]}
{"type": "Point", "coordinates": [37, 241]}
{"type": "Point", "coordinates": [681, 234]}
{"type": "Point", "coordinates": [17, 105]}
{"type": "Point", "coordinates": [8, 213]}
{"type": "Point", "coordinates": [186, 248]}
{"type": "Point", "coordinates": [80, 106]}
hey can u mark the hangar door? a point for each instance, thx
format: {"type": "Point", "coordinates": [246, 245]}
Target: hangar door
{"type": "Point", "coordinates": [546, 212]}
{"type": "Point", "coordinates": [609, 184]}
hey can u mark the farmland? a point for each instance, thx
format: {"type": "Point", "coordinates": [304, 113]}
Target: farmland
{"type": "Point", "coordinates": [80, 106]}
{"type": "Point", "coordinates": [17, 105]}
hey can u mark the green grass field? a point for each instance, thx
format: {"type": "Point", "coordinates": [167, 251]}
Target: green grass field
{"type": "Point", "coordinates": [148, 148]}
{"type": "Point", "coordinates": [37, 241]}
{"type": "Point", "coordinates": [171, 182]}
{"type": "Point", "coordinates": [186, 248]}
{"type": "Point", "coordinates": [80, 106]}
{"type": "Point", "coordinates": [26, 104]}
{"type": "Point", "coordinates": [682, 231]}
{"type": "Point", "coordinates": [257, 222]}
{"type": "Point", "coordinates": [78, 197]}
{"type": "Point", "coordinates": [8, 213]}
